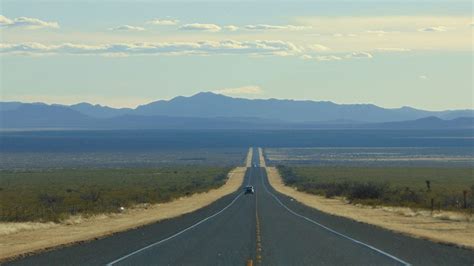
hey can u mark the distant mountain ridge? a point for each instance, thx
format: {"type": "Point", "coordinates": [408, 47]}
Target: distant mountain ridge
{"type": "Point", "coordinates": [209, 110]}
{"type": "Point", "coordinates": [100, 111]}
{"type": "Point", "coordinates": [207, 104]}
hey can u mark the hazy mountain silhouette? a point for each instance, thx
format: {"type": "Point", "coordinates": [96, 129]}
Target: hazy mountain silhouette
{"type": "Point", "coordinates": [39, 115]}
{"type": "Point", "coordinates": [99, 111]}
{"type": "Point", "coordinates": [209, 110]}
{"type": "Point", "coordinates": [207, 104]}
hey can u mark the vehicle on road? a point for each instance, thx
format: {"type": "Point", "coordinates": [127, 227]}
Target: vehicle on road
{"type": "Point", "coordinates": [249, 190]}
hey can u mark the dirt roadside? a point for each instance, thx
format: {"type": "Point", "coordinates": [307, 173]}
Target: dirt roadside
{"type": "Point", "coordinates": [17, 239]}
{"type": "Point", "coordinates": [446, 227]}
{"type": "Point", "coordinates": [248, 159]}
{"type": "Point", "coordinates": [35, 238]}
{"type": "Point", "coordinates": [261, 158]}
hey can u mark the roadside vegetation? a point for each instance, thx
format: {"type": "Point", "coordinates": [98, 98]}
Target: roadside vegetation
{"type": "Point", "coordinates": [54, 195]}
{"type": "Point", "coordinates": [431, 188]}
{"type": "Point", "coordinates": [111, 159]}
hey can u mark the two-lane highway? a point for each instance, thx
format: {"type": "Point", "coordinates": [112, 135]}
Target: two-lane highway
{"type": "Point", "coordinates": [226, 237]}
{"type": "Point", "coordinates": [266, 228]}
{"type": "Point", "coordinates": [290, 238]}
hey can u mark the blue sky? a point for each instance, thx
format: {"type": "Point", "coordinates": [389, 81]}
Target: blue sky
{"type": "Point", "coordinates": [123, 53]}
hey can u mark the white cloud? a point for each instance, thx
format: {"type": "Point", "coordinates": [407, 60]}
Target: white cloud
{"type": "Point", "coordinates": [358, 55]}
{"type": "Point", "coordinates": [340, 35]}
{"type": "Point", "coordinates": [392, 49]}
{"type": "Point", "coordinates": [306, 57]}
{"type": "Point", "coordinates": [328, 58]}
{"type": "Point", "coordinates": [275, 27]}
{"type": "Point", "coordinates": [434, 29]}
{"type": "Point", "coordinates": [250, 89]}
{"type": "Point", "coordinates": [378, 32]}
{"type": "Point", "coordinates": [423, 77]}
{"type": "Point", "coordinates": [163, 22]}
{"type": "Point", "coordinates": [318, 48]}
{"type": "Point", "coordinates": [4, 21]}
{"type": "Point", "coordinates": [231, 28]}
{"type": "Point", "coordinates": [382, 23]}
{"type": "Point", "coordinates": [395, 31]}
{"type": "Point", "coordinates": [200, 27]}
{"type": "Point", "coordinates": [25, 22]}
{"type": "Point", "coordinates": [354, 55]}
{"type": "Point", "coordinates": [257, 47]}
{"type": "Point", "coordinates": [127, 28]}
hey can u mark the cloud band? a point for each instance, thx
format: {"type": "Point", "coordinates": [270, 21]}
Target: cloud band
{"type": "Point", "coordinates": [257, 47]}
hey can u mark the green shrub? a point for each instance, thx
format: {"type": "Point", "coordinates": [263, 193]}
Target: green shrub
{"type": "Point", "coordinates": [384, 185]}
{"type": "Point", "coordinates": [52, 195]}
{"type": "Point", "coordinates": [369, 190]}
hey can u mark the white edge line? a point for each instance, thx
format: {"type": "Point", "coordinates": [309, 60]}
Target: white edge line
{"type": "Point", "coordinates": [180, 232]}
{"type": "Point", "coordinates": [334, 231]}
{"type": "Point", "coordinates": [175, 235]}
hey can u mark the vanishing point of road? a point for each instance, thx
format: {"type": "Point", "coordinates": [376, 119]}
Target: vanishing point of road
{"type": "Point", "coordinates": [266, 228]}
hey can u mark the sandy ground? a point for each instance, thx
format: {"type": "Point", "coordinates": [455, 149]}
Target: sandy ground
{"type": "Point", "coordinates": [261, 158]}
{"type": "Point", "coordinates": [21, 238]}
{"type": "Point", "coordinates": [443, 227]}
{"type": "Point", "coordinates": [248, 159]}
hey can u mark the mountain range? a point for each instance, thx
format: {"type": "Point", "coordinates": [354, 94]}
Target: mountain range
{"type": "Point", "coordinates": [208, 110]}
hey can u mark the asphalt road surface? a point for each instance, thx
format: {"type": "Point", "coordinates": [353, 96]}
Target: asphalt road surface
{"type": "Point", "coordinates": [266, 228]}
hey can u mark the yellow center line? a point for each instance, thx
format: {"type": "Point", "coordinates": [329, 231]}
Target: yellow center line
{"type": "Point", "coordinates": [258, 235]}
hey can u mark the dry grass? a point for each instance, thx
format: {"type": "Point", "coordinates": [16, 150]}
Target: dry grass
{"type": "Point", "coordinates": [11, 228]}
{"type": "Point", "coordinates": [261, 158]}
{"type": "Point", "coordinates": [21, 238]}
{"type": "Point", "coordinates": [443, 227]}
{"type": "Point", "coordinates": [248, 159]}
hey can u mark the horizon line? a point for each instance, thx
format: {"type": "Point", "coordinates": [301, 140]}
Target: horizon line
{"type": "Point", "coordinates": [51, 103]}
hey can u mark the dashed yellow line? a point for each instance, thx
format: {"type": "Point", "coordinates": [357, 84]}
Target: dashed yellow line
{"type": "Point", "coordinates": [258, 235]}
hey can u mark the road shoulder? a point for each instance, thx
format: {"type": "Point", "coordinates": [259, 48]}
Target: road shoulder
{"type": "Point", "coordinates": [448, 231]}
{"type": "Point", "coordinates": [43, 238]}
